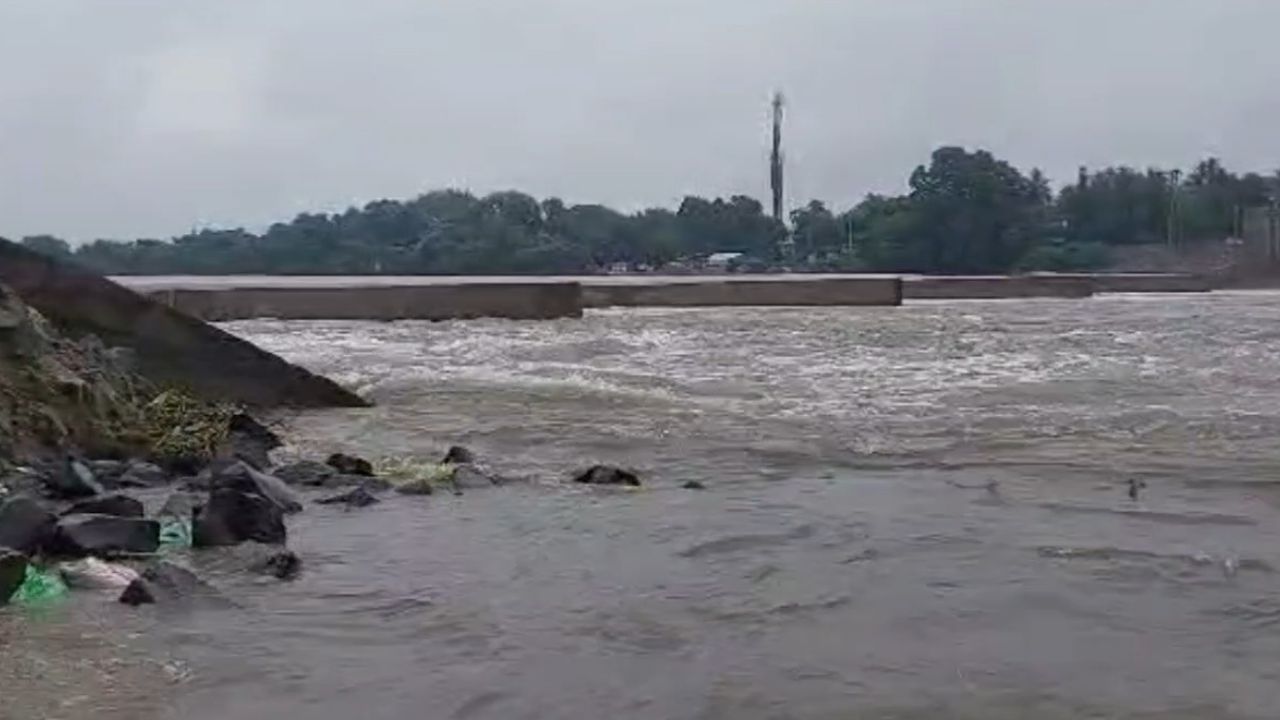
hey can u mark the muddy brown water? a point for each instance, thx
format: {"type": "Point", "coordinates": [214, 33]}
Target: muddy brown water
{"type": "Point", "coordinates": [915, 512]}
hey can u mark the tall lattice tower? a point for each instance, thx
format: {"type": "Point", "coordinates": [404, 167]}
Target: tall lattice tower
{"type": "Point", "coordinates": [775, 158]}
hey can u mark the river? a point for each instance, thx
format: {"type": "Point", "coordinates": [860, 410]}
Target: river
{"type": "Point", "coordinates": [915, 512]}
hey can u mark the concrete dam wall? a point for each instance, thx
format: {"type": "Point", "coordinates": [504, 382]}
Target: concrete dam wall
{"type": "Point", "coordinates": [514, 300]}
{"type": "Point", "coordinates": [994, 287]}
{"type": "Point", "coordinates": [542, 298]}
{"type": "Point", "coordinates": [796, 290]}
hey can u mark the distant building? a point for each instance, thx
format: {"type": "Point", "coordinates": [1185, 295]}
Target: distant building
{"type": "Point", "coordinates": [722, 260]}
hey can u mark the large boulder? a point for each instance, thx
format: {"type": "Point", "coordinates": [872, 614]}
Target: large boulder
{"type": "Point", "coordinates": [117, 504]}
{"type": "Point", "coordinates": [350, 464]}
{"type": "Point", "coordinates": [25, 525]}
{"type": "Point", "coordinates": [232, 517]}
{"type": "Point", "coordinates": [243, 478]}
{"type": "Point", "coordinates": [13, 570]}
{"type": "Point", "coordinates": [74, 480]}
{"type": "Point", "coordinates": [105, 535]}
{"type": "Point", "coordinates": [607, 475]}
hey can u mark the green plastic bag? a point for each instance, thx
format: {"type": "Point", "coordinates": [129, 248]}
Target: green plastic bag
{"type": "Point", "coordinates": [40, 587]}
{"type": "Point", "coordinates": [175, 534]}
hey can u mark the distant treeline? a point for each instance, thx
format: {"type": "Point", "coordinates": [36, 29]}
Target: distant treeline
{"type": "Point", "coordinates": [965, 212]}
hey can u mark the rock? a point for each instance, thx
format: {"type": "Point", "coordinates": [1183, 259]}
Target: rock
{"type": "Point", "coordinates": [13, 570]}
{"type": "Point", "coordinates": [284, 565]}
{"type": "Point", "coordinates": [108, 472]}
{"type": "Point", "coordinates": [181, 505]}
{"type": "Point", "coordinates": [25, 525]}
{"type": "Point", "coordinates": [458, 455]}
{"type": "Point", "coordinates": [470, 477]}
{"type": "Point", "coordinates": [143, 475]}
{"type": "Point", "coordinates": [308, 473]}
{"type": "Point", "coordinates": [169, 581]}
{"type": "Point", "coordinates": [117, 504]}
{"type": "Point", "coordinates": [245, 479]}
{"type": "Point", "coordinates": [607, 475]}
{"type": "Point", "coordinates": [74, 481]}
{"type": "Point", "coordinates": [358, 497]}
{"type": "Point", "coordinates": [249, 441]}
{"type": "Point", "coordinates": [22, 481]}
{"type": "Point", "coordinates": [232, 517]}
{"type": "Point", "coordinates": [694, 485]}
{"type": "Point", "coordinates": [350, 465]}
{"type": "Point", "coordinates": [93, 574]}
{"type": "Point", "coordinates": [78, 535]}
{"type": "Point", "coordinates": [138, 593]}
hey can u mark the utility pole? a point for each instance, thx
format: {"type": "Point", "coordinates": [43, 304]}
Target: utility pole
{"type": "Point", "coordinates": [1175, 178]}
{"type": "Point", "coordinates": [775, 158]}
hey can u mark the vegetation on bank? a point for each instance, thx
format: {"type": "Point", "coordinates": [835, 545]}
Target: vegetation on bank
{"type": "Point", "coordinates": [964, 212]}
{"type": "Point", "coordinates": [58, 394]}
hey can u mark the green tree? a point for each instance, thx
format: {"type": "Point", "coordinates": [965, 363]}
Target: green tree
{"type": "Point", "coordinates": [48, 245]}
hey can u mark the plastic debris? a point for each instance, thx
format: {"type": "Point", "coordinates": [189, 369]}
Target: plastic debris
{"type": "Point", "coordinates": [40, 587]}
{"type": "Point", "coordinates": [175, 534]}
{"type": "Point", "coordinates": [94, 574]}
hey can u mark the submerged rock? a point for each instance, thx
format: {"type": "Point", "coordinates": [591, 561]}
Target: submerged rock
{"type": "Point", "coordinates": [232, 517]}
{"type": "Point", "coordinates": [350, 465]}
{"type": "Point", "coordinates": [470, 477]}
{"type": "Point", "coordinates": [357, 497]}
{"type": "Point", "coordinates": [138, 593]}
{"type": "Point", "coordinates": [284, 565]}
{"type": "Point", "coordinates": [74, 481]}
{"type": "Point", "coordinates": [78, 535]}
{"type": "Point", "coordinates": [25, 525]}
{"type": "Point", "coordinates": [116, 504]}
{"type": "Point", "coordinates": [694, 485]}
{"type": "Point", "coordinates": [459, 455]}
{"type": "Point", "coordinates": [171, 582]}
{"type": "Point", "coordinates": [307, 473]}
{"type": "Point", "coordinates": [13, 570]}
{"type": "Point", "coordinates": [607, 475]}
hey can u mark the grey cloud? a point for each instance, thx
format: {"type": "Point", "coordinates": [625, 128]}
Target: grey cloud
{"type": "Point", "coordinates": [142, 118]}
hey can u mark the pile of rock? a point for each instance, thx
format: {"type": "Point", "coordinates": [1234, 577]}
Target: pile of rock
{"type": "Point", "coordinates": [78, 515]}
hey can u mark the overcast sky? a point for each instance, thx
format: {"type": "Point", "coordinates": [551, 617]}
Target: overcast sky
{"type": "Point", "coordinates": [127, 118]}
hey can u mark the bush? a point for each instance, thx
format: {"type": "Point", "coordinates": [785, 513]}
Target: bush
{"type": "Point", "coordinates": [1063, 256]}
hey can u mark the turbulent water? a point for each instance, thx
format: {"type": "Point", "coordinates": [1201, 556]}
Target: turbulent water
{"type": "Point", "coordinates": [915, 512]}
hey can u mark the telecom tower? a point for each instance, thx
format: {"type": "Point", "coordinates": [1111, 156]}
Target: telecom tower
{"type": "Point", "coordinates": [775, 158]}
